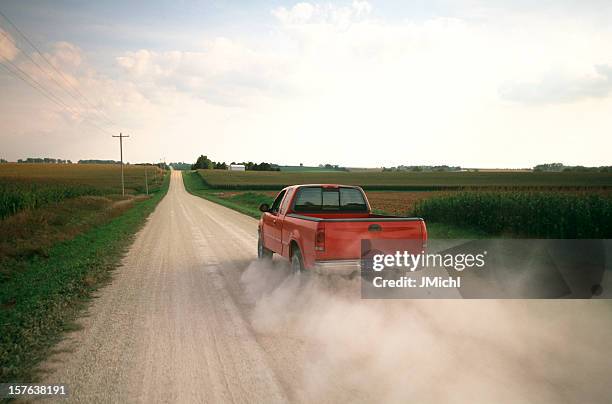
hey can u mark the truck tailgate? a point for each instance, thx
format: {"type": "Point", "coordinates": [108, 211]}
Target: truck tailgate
{"type": "Point", "coordinates": [343, 237]}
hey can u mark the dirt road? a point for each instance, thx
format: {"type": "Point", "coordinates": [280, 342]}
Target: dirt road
{"type": "Point", "coordinates": [189, 317]}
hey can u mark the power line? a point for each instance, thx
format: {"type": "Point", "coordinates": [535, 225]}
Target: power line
{"type": "Point", "coordinates": [49, 63]}
{"type": "Point", "coordinates": [69, 84]}
{"type": "Point", "coordinates": [44, 71]}
{"type": "Point", "coordinates": [23, 76]}
{"type": "Point", "coordinates": [36, 84]}
{"type": "Point", "coordinates": [34, 62]}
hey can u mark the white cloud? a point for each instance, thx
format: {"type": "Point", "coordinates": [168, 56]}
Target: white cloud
{"type": "Point", "coordinates": [225, 72]}
{"type": "Point", "coordinates": [561, 88]}
{"type": "Point", "coordinates": [312, 13]}
{"type": "Point", "coordinates": [66, 55]}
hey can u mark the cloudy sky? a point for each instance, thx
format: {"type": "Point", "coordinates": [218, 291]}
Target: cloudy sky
{"type": "Point", "coordinates": [473, 83]}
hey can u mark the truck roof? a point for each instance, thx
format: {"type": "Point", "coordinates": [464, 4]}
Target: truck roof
{"type": "Point", "coordinates": [326, 185]}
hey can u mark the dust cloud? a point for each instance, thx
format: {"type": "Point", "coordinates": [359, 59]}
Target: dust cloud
{"type": "Point", "coordinates": [456, 351]}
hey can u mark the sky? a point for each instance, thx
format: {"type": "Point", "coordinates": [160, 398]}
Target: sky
{"type": "Point", "coordinates": [472, 83]}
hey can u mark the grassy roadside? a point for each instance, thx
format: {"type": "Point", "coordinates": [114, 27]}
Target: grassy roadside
{"type": "Point", "coordinates": [43, 298]}
{"type": "Point", "coordinates": [248, 204]}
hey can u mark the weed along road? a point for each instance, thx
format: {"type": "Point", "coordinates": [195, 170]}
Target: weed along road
{"type": "Point", "coordinates": [190, 316]}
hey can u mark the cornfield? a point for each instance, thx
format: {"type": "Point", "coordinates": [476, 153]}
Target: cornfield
{"type": "Point", "coordinates": [30, 186]}
{"type": "Point", "coordinates": [528, 214]}
{"type": "Point", "coordinates": [17, 196]}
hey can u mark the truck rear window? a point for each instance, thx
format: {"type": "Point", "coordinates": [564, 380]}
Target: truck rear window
{"type": "Point", "coordinates": [319, 199]}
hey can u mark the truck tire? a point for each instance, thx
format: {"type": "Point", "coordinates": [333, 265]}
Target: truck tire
{"type": "Point", "coordinates": [297, 263]}
{"type": "Point", "coordinates": [262, 252]}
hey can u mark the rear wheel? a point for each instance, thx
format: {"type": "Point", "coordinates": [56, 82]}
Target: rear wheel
{"type": "Point", "coordinates": [297, 263]}
{"type": "Point", "coordinates": [262, 252]}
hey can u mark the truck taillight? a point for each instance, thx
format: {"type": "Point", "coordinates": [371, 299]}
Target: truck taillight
{"type": "Point", "coordinates": [320, 237]}
{"type": "Point", "coordinates": [424, 234]}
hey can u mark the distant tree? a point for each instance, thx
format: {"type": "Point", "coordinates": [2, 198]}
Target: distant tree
{"type": "Point", "coordinates": [98, 162]}
{"type": "Point", "coordinates": [442, 168]}
{"type": "Point", "coordinates": [554, 167]}
{"type": "Point", "coordinates": [250, 166]}
{"type": "Point", "coordinates": [180, 166]}
{"type": "Point", "coordinates": [203, 163]}
{"type": "Point", "coordinates": [3, 161]}
{"type": "Point", "coordinates": [602, 169]}
{"type": "Point", "coordinates": [46, 160]}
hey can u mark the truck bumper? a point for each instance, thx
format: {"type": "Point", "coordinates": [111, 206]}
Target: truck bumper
{"type": "Point", "coordinates": [337, 267]}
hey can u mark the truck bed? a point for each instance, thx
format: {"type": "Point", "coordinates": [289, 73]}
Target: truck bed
{"type": "Point", "coordinates": [344, 234]}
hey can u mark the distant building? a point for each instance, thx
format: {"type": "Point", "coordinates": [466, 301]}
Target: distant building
{"type": "Point", "coordinates": [236, 167]}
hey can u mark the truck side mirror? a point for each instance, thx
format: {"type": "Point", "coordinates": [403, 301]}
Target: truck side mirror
{"type": "Point", "coordinates": [264, 207]}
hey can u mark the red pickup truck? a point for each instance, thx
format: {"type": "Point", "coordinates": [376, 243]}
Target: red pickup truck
{"type": "Point", "coordinates": [321, 227]}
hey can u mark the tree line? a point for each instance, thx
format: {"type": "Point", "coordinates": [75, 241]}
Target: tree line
{"type": "Point", "coordinates": [47, 160]}
{"type": "Point", "coordinates": [442, 168]}
{"type": "Point", "coordinates": [204, 163]}
{"type": "Point", "coordinates": [560, 167]}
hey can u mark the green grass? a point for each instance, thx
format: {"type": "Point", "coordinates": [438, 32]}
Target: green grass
{"type": "Point", "coordinates": [41, 300]}
{"type": "Point", "coordinates": [251, 201]}
{"type": "Point", "coordinates": [247, 203]}
{"type": "Point", "coordinates": [257, 180]}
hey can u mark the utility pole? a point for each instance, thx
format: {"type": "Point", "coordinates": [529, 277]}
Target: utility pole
{"type": "Point", "coordinates": [121, 136]}
{"type": "Point", "coordinates": [146, 181]}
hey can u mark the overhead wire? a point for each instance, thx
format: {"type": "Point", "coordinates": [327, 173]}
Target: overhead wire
{"type": "Point", "coordinates": [78, 93]}
{"type": "Point", "coordinates": [19, 73]}
{"type": "Point", "coordinates": [41, 69]}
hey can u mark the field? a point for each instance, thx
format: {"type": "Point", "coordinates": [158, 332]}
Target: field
{"type": "Point", "coordinates": [29, 186]}
{"type": "Point", "coordinates": [103, 176]}
{"type": "Point", "coordinates": [400, 203]}
{"type": "Point", "coordinates": [308, 169]}
{"type": "Point", "coordinates": [250, 180]}
{"type": "Point", "coordinates": [508, 204]}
